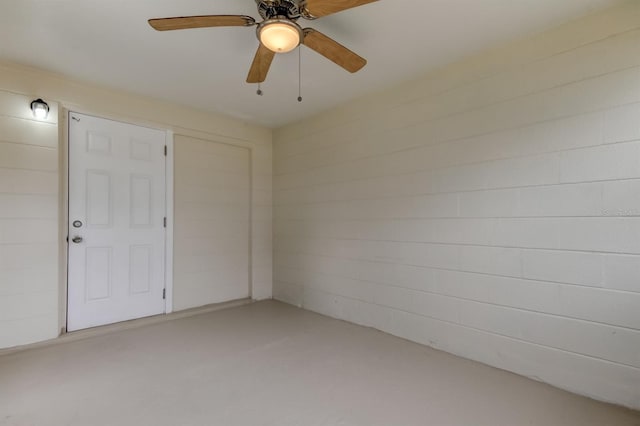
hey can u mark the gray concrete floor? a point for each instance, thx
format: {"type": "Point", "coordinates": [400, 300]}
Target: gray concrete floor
{"type": "Point", "coordinates": [272, 364]}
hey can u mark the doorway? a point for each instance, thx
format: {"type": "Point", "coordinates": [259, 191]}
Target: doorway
{"type": "Point", "coordinates": [117, 222]}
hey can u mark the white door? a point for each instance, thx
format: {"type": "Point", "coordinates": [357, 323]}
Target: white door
{"type": "Point", "coordinates": [117, 193]}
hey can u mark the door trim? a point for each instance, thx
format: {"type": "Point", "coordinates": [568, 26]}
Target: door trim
{"type": "Point", "coordinates": [169, 208]}
{"type": "Point", "coordinates": [168, 240]}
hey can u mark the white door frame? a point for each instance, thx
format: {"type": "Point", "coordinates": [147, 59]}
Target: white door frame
{"type": "Point", "coordinates": [169, 206]}
{"type": "Point", "coordinates": [168, 264]}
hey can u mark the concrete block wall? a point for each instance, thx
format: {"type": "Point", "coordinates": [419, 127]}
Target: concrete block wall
{"type": "Point", "coordinates": [490, 209]}
{"type": "Point", "coordinates": [212, 211]}
{"type": "Point", "coordinates": [28, 222]}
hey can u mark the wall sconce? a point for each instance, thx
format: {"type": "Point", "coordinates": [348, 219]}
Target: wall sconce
{"type": "Point", "coordinates": [40, 109]}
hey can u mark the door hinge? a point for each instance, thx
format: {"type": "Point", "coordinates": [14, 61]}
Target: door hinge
{"type": "Point", "coordinates": [165, 150]}
{"type": "Point", "coordinates": [164, 293]}
{"type": "Point", "coordinates": [164, 222]}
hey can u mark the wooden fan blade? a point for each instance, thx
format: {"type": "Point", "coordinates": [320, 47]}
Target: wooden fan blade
{"type": "Point", "coordinates": [186, 22]}
{"type": "Point", "coordinates": [320, 8]}
{"type": "Point", "coordinates": [261, 64]}
{"type": "Point", "coordinates": [333, 50]}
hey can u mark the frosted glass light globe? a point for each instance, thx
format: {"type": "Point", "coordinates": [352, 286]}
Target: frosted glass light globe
{"type": "Point", "coordinates": [280, 37]}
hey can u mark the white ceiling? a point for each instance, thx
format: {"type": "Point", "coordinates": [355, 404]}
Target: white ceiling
{"type": "Point", "coordinates": [109, 42]}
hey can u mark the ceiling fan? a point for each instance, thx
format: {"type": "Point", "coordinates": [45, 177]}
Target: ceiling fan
{"type": "Point", "coordinates": [279, 32]}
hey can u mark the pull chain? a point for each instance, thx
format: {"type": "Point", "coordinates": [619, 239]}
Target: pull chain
{"type": "Point", "coordinates": [259, 92]}
{"type": "Point", "coordinates": [299, 74]}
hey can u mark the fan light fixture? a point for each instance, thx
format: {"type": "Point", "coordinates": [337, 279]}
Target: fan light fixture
{"type": "Point", "coordinates": [279, 32]}
{"type": "Point", "coordinates": [40, 109]}
{"type": "Point", "coordinates": [280, 35]}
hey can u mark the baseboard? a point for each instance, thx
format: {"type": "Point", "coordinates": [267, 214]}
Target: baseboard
{"type": "Point", "coordinates": [126, 325]}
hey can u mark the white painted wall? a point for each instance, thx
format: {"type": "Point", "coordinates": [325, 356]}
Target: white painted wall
{"type": "Point", "coordinates": [490, 209]}
{"type": "Point", "coordinates": [212, 222]}
{"type": "Point", "coordinates": [32, 215]}
{"type": "Point", "coordinates": [28, 222]}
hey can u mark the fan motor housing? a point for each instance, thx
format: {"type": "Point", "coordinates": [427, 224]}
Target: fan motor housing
{"type": "Point", "coordinates": [270, 9]}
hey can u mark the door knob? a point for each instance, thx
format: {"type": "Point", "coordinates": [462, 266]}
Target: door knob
{"type": "Point", "coordinates": [77, 240]}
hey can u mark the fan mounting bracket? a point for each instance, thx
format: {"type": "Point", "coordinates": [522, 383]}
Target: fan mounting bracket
{"type": "Point", "coordinates": [270, 9]}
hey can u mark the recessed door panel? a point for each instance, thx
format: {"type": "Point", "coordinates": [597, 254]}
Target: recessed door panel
{"type": "Point", "coordinates": [116, 227]}
{"type": "Point", "coordinates": [140, 269]}
{"type": "Point", "coordinates": [141, 203]}
{"type": "Point", "coordinates": [98, 144]}
{"type": "Point", "coordinates": [140, 150]}
{"type": "Point", "coordinates": [98, 273]}
{"type": "Point", "coordinates": [98, 199]}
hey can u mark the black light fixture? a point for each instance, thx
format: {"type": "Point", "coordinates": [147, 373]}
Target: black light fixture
{"type": "Point", "coordinates": [40, 109]}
